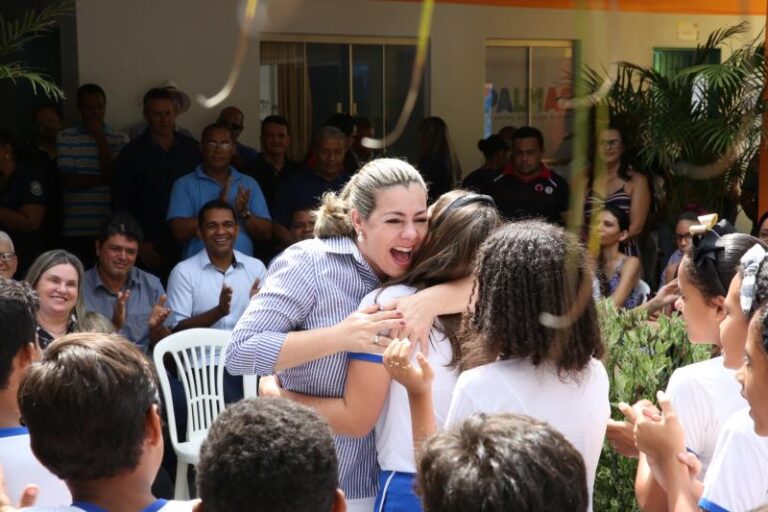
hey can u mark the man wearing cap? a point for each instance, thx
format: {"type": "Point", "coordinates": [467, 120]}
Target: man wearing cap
{"type": "Point", "coordinates": [144, 175]}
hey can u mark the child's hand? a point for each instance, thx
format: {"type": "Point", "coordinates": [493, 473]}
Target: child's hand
{"type": "Point", "coordinates": [660, 437]}
{"type": "Point", "coordinates": [270, 386]}
{"type": "Point", "coordinates": [397, 361]}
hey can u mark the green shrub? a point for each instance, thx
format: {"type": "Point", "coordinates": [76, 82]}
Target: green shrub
{"type": "Point", "coordinates": [641, 356]}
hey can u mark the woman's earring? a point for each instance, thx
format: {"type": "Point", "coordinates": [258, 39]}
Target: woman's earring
{"type": "Point", "coordinates": [359, 236]}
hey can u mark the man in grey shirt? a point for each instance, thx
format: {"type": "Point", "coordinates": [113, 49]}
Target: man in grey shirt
{"type": "Point", "coordinates": [133, 299]}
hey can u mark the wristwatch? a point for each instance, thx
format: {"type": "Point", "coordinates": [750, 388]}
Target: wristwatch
{"type": "Point", "coordinates": [245, 214]}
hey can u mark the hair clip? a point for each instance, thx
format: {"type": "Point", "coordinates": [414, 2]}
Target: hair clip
{"type": "Point", "coordinates": [706, 223]}
{"type": "Point", "coordinates": [750, 263]}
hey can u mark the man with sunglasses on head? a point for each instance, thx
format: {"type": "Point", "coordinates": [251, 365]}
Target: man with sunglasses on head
{"type": "Point", "coordinates": [234, 119]}
{"type": "Point", "coordinates": [215, 178]}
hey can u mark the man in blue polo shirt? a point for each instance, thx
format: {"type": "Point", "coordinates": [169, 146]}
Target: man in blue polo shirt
{"type": "Point", "coordinates": [214, 178]}
{"type": "Point", "coordinates": [300, 188]}
{"type": "Point", "coordinates": [118, 290]}
{"type": "Point", "coordinates": [527, 188]}
{"type": "Point", "coordinates": [145, 171]}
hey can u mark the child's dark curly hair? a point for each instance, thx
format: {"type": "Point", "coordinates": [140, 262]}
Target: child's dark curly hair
{"type": "Point", "coordinates": [524, 271]}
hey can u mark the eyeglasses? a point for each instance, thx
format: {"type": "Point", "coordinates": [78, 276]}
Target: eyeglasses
{"type": "Point", "coordinates": [7, 256]}
{"type": "Point", "coordinates": [213, 145]}
{"type": "Point", "coordinates": [610, 143]}
{"type": "Point", "coordinates": [682, 238]}
{"type": "Point", "coordinates": [232, 126]}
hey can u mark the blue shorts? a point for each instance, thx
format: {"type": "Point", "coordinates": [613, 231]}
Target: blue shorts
{"type": "Point", "coordinates": [396, 493]}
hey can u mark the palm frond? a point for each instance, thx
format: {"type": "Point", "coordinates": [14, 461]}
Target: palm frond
{"type": "Point", "coordinates": [33, 24]}
{"type": "Point", "coordinates": [15, 71]}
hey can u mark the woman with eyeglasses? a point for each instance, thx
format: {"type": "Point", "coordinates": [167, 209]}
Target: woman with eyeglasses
{"type": "Point", "coordinates": [615, 182]}
{"type": "Point", "coordinates": [8, 261]}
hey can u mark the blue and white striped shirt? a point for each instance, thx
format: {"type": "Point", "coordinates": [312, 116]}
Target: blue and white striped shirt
{"type": "Point", "coordinates": [313, 284]}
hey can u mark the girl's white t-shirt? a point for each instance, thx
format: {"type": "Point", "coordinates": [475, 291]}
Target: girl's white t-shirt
{"type": "Point", "coordinates": [577, 409]}
{"type": "Point", "coordinates": [704, 395]}
{"type": "Point", "coordinates": [394, 435]}
{"type": "Point", "coordinates": [737, 479]}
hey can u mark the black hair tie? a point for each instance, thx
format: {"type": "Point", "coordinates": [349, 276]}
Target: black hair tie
{"type": "Point", "coordinates": [469, 199]}
{"type": "Point", "coordinates": [706, 247]}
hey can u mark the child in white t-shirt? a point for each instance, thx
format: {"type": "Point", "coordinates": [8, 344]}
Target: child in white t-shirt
{"type": "Point", "coordinates": [737, 478]}
{"type": "Point", "coordinates": [459, 222]}
{"type": "Point", "coordinates": [534, 342]}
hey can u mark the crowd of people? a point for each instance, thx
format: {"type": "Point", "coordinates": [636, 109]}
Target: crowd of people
{"type": "Point", "coordinates": [420, 345]}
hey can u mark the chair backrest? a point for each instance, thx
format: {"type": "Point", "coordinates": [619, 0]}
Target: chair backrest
{"type": "Point", "coordinates": [199, 358]}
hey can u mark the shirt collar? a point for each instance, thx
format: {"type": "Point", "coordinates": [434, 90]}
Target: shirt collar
{"type": "Point", "coordinates": [200, 173]}
{"type": "Point", "coordinates": [98, 282]}
{"type": "Point", "coordinates": [204, 260]}
{"type": "Point", "coordinates": [345, 245]}
{"type": "Point", "coordinates": [545, 174]}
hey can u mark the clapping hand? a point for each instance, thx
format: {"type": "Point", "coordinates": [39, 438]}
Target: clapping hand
{"type": "Point", "coordinates": [397, 360]}
{"type": "Point", "coordinates": [119, 310]}
{"type": "Point", "coordinates": [159, 313]}
{"type": "Point", "coordinates": [225, 300]}
{"type": "Point", "coordinates": [242, 199]}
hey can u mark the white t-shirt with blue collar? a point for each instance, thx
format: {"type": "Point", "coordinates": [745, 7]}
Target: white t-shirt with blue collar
{"type": "Point", "coordinates": [21, 468]}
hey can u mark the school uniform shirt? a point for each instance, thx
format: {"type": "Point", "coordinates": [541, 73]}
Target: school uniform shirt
{"type": "Point", "coordinates": [737, 480]}
{"type": "Point", "coordinates": [195, 284]}
{"type": "Point", "coordinates": [704, 395]}
{"type": "Point", "coordinates": [578, 410]}
{"type": "Point", "coordinates": [394, 436]}
{"type": "Point", "coordinates": [157, 506]}
{"type": "Point", "coordinates": [22, 468]}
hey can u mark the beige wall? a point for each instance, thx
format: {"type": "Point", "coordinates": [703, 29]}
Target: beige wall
{"type": "Point", "coordinates": [128, 47]}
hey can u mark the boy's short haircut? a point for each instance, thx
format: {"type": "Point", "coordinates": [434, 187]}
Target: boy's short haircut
{"type": "Point", "coordinates": [268, 454]}
{"type": "Point", "coordinates": [18, 303]}
{"type": "Point", "coordinates": [499, 463]}
{"type": "Point", "coordinates": [85, 404]}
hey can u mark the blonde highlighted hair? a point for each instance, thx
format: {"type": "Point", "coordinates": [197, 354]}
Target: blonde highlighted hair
{"type": "Point", "coordinates": [333, 216]}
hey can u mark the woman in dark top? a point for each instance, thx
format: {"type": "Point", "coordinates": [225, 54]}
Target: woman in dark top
{"type": "Point", "coordinates": [496, 153]}
{"type": "Point", "coordinates": [438, 163]}
{"type": "Point", "coordinates": [619, 185]}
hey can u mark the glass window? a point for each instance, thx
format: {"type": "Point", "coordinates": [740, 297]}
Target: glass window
{"type": "Point", "coordinates": [524, 81]}
{"type": "Point", "coordinates": [307, 82]}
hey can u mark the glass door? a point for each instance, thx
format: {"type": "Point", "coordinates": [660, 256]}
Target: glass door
{"type": "Point", "coordinates": [329, 81]}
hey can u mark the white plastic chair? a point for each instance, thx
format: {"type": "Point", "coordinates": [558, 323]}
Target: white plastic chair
{"type": "Point", "coordinates": [199, 358]}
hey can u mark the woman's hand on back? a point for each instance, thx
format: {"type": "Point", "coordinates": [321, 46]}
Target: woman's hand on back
{"type": "Point", "coordinates": [362, 330]}
{"type": "Point", "coordinates": [419, 318]}
{"type": "Point", "coordinates": [416, 379]}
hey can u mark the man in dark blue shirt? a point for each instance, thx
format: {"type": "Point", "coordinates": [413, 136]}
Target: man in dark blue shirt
{"type": "Point", "coordinates": [303, 187]}
{"type": "Point", "coordinates": [144, 175]}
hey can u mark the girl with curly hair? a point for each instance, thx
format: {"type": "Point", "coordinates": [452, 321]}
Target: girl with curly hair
{"type": "Point", "coordinates": [531, 342]}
